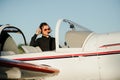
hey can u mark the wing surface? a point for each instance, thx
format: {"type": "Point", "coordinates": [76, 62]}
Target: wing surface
{"type": "Point", "coordinates": [14, 69]}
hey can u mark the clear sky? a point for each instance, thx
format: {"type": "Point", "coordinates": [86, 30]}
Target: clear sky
{"type": "Point", "coordinates": [97, 15]}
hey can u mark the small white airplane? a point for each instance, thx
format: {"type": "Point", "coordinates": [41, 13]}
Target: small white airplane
{"type": "Point", "coordinates": [80, 54]}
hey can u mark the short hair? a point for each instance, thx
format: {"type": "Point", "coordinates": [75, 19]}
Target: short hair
{"type": "Point", "coordinates": [43, 24]}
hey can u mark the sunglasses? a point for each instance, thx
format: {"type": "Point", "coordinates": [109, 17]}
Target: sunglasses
{"type": "Point", "coordinates": [46, 29]}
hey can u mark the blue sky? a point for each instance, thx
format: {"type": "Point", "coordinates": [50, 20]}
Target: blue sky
{"type": "Point", "coordinates": [98, 15]}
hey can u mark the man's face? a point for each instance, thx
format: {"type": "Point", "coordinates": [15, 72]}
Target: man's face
{"type": "Point", "coordinates": [45, 30]}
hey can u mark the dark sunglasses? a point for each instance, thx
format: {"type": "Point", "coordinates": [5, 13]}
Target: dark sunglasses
{"type": "Point", "coordinates": [46, 29]}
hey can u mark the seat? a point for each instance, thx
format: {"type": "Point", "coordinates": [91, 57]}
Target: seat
{"type": "Point", "coordinates": [75, 39]}
{"type": "Point", "coordinates": [10, 45]}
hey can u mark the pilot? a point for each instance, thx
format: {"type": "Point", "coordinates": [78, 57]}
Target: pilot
{"type": "Point", "coordinates": [45, 42]}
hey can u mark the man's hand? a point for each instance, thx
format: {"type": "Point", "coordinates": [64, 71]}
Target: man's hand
{"type": "Point", "coordinates": [38, 31]}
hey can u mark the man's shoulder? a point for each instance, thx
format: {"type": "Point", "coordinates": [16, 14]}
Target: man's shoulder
{"type": "Point", "coordinates": [40, 38]}
{"type": "Point", "coordinates": [52, 37]}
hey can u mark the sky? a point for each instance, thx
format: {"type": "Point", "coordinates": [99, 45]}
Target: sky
{"type": "Point", "coordinates": [100, 16]}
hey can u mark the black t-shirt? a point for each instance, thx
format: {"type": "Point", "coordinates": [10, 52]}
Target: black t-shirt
{"type": "Point", "coordinates": [46, 44]}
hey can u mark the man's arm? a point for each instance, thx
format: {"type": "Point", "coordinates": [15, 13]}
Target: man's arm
{"type": "Point", "coordinates": [33, 40]}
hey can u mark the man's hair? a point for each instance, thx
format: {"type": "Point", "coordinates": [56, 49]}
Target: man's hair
{"type": "Point", "coordinates": [43, 24]}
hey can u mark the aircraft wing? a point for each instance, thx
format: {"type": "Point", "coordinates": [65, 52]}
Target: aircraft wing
{"type": "Point", "coordinates": [14, 69]}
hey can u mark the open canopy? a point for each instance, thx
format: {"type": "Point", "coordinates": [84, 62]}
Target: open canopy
{"type": "Point", "coordinates": [11, 29]}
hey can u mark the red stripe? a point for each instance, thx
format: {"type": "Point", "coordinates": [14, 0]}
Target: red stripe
{"type": "Point", "coordinates": [27, 66]}
{"type": "Point", "coordinates": [109, 45]}
{"type": "Point", "coordinates": [69, 55]}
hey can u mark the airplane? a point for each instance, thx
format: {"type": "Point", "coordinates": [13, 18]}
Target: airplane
{"type": "Point", "coordinates": [80, 54]}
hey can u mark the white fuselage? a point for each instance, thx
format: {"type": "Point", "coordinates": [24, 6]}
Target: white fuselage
{"type": "Point", "coordinates": [98, 60]}
{"type": "Point", "coordinates": [104, 67]}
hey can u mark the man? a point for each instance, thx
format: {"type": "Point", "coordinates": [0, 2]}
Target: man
{"type": "Point", "coordinates": [46, 42]}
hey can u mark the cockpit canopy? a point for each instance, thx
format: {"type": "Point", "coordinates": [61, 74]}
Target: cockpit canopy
{"type": "Point", "coordinates": [6, 41]}
{"type": "Point", "coordinates": [72, 35]}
